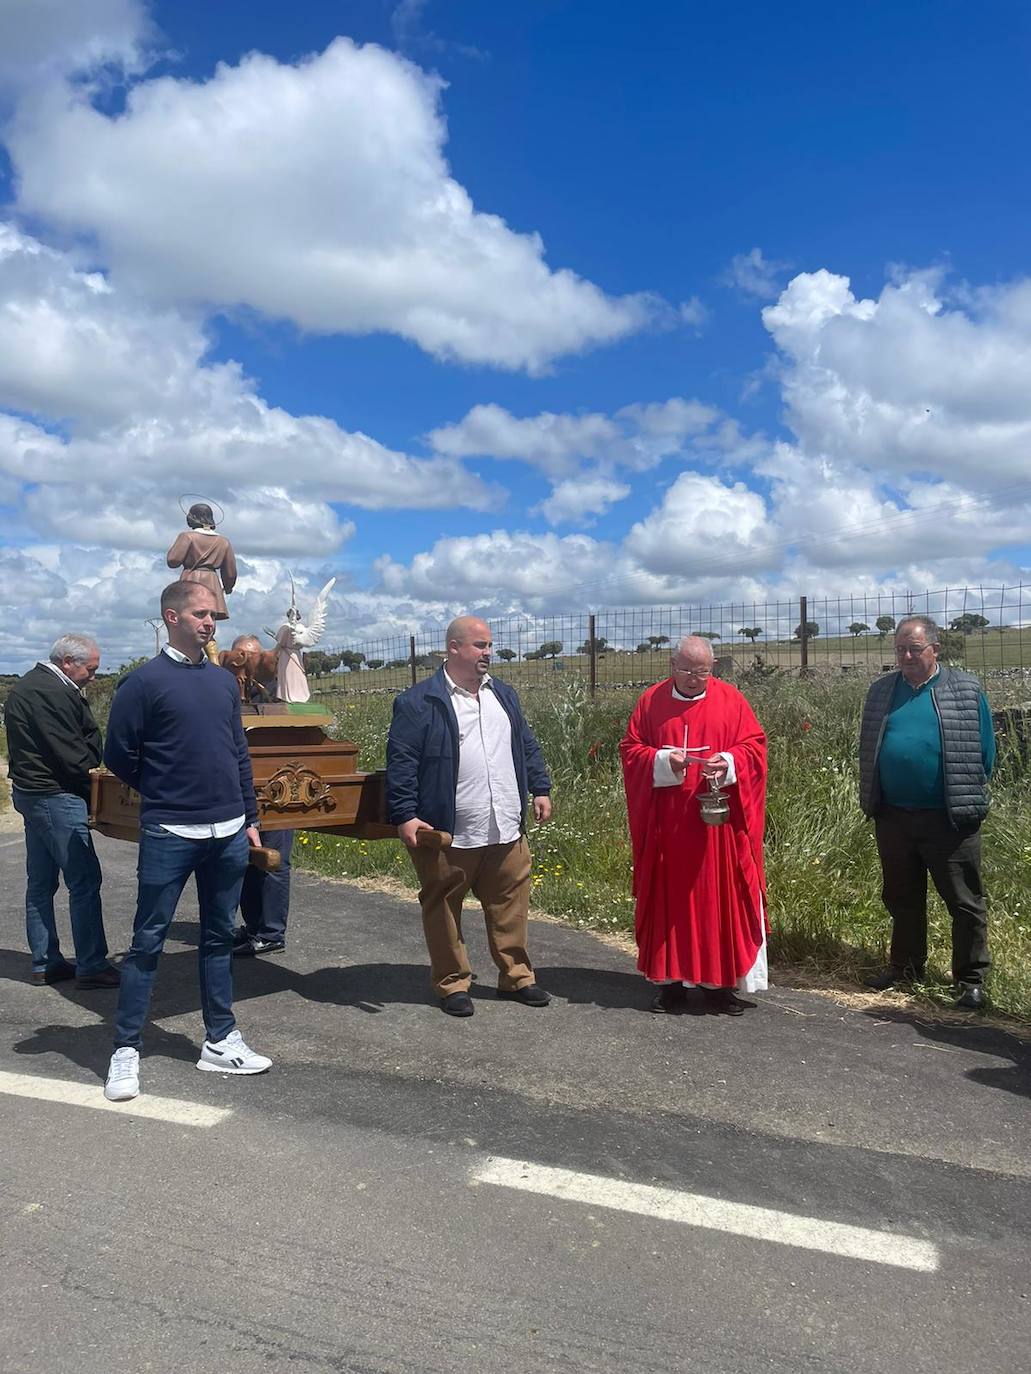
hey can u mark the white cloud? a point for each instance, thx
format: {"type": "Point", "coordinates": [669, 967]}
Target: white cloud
{"type": "Point", "coordinates": [316, 192]}
{"type": "Point", "coordinates": [700, 520]}
{"type": "Point", "coordinates": [38, 37]}
{"type": "Point", "coordinates": [636, 437]}
{"type": "Point", "coordinates": [694, 313]}
{"type": "Point", "coordinates": [574, 500]}
{"type": "Point", "coordinates": [908, 383]}
{"type": "Point", "coordinates": [138, 403]}
{"type": "Point", "coordinates": [755, 275]}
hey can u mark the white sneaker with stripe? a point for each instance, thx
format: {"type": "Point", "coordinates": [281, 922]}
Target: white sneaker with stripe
{"type": "Point", "coordinates": [231, 1055]}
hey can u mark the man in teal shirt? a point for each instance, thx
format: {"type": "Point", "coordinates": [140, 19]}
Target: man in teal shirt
{"type": "Point", "coordinates": [926, 753]}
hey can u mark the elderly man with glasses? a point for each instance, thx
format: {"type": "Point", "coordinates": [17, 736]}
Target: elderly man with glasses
{"type": "Point", "coordinates": [926, 752]}
{"type": "Point", "coordinates": [700, 919]}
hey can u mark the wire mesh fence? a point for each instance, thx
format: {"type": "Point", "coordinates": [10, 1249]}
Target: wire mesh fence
{"type": "Point", "coordinates": [984, 629]}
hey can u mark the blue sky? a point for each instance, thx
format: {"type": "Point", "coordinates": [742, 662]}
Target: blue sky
{"type": "Point", "coordinates": [469, 309]}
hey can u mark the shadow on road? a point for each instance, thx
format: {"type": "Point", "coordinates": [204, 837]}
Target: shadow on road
{"type": "Point", "coordinates": [1014, 1077]}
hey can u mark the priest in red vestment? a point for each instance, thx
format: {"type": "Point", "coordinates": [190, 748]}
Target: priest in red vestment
{"type": "Point", "coordinates": [700, 918]}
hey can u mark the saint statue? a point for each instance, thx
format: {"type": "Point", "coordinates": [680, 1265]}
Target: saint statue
{"type": "Point", "coordinates": [207, 557]}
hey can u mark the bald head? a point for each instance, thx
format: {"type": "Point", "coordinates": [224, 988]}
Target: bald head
{"type": "Point", "coordinates": [693, 650]}
{"type": "Point", "coordinates": [469, 646]}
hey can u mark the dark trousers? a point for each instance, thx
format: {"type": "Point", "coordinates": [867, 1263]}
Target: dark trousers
{"type": "Point", "coordinates": [265, 899]}
{"type": "Point", "coordinates": [165, 863]}
{"type": "Point", "coordinates": [912, 844]}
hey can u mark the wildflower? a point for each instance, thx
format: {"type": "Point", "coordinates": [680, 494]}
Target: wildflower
{"type": "Point", "coordinates": [807, 725]}
{"type": "Point", "coordinates": [592, 753]}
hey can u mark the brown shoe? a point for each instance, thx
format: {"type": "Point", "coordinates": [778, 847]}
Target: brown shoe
{"type": "Point", "coordinates": [56, 973]}
{"type": "Point", "coordinates": [104, 978]}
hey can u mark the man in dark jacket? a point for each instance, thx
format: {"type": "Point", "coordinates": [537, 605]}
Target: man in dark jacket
{"type": "Point", "coordinates": [53, 741]}
{"type": "Point", "coordinates": [926, 752]}
{"type": "Point", "coordinates": [462, 759]}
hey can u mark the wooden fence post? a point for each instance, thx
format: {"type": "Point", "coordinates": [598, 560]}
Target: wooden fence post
{"type": "Point", "coordinates": [411, 657]}
{"type": "Point", "coordinates": [593, 654]}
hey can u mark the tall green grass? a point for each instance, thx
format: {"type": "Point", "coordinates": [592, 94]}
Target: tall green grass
{"type": "Point", "coordinates": [822, 868]}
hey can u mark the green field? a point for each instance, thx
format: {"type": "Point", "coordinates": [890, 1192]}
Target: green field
{"type": "Point", "coordinates": [822, 866]}
{"type": "Point", "coordinates": [840, 655]}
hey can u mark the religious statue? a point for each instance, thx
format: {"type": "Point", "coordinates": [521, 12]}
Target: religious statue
{"type": "Point", "coordinates": [292, 637]}
{"type": "Point", "coordinates": [207, 557]}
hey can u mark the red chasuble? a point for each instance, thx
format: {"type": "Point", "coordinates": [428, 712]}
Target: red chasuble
{"type": "Point", "coordinates": [698, 887]}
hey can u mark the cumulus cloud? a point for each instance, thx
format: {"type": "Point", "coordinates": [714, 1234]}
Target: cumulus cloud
{"type": "Point", "coordinates": [316, 192]}
{"type": "Point", "coordinates": [40, 38]}
{"type": "Point", "coordinates": [909, 382]}
{"type": "Point", "coordinates": [755, 275]}
{"type": "Point", "coordinates": [575, 500]}
{"type": "Point", "coordinates": [637, 437]}
{"type": "Point", "coordinates": [137, 402]}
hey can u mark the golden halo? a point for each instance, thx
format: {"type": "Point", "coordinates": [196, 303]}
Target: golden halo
{"type": "Point", "coordinates": [193, 497]}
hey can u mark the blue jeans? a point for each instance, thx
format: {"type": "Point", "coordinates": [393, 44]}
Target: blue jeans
{"type": "Point", "coordinates": [265, 899]}
{"type": "Point", "coordinates": [165, 863]}
{"type": "Point", "coordinates": [58, 844]}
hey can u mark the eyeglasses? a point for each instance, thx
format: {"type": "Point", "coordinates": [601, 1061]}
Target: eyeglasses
{"type": "Point", "coordinates": [701, 673]}
{"type": "Point", "coordinates": [911, 650]}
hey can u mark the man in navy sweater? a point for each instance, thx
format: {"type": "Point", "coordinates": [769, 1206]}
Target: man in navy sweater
{"type": "Point", "coordinates": [175, 735]}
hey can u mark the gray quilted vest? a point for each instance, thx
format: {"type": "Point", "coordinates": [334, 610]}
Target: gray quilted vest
{"type": "Point", "coordinates": [956, 696]}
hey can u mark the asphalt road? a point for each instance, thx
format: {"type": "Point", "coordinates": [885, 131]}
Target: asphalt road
{"type": "Point", "coordinates": [585, 1188]}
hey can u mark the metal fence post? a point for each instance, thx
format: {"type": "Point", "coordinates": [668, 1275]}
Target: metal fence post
{"type": "Point", "coordinates": [593, 655]}
{"type": "Point", "coordinates": [804, 635]}
{"type": "Point", "coordinates": [411, 657]}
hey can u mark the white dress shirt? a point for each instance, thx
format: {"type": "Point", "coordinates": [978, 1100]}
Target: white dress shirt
{"type": "Point", "coordinates": [488, 807]}
{"type": "Point", "coordinates": [217, 830]}
{"type": "Point", "coordinates": [45, 663]}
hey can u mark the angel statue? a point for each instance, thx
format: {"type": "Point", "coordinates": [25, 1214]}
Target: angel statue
{"type": "Point", "coordinates": [292, 637]}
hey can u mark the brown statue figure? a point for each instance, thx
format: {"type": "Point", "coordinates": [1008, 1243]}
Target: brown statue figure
{"type": "Point", "coordinates": [253, 667]}
{"type": "Point", "coordinates": [207, 557]}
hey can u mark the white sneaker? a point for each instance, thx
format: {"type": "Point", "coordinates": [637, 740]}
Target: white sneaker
{"type": "Point", "coordinates": [123, 1075]}
{"type": "Point", "coordinates": [231, 1055]}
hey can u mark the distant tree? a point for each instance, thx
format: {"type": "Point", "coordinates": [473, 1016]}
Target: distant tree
{"type": "Point", "coordinates": [507, 655]}
{"type": "Point", "coordinates": [601, 644]}
{"type": "Point", "coordinates": [551, 648]}
{"type": "Point", "coordinates": [811, 629]}
{"type": "Point", "coordinates": [351, 659]}
{"type": "Point", "coordinates": [657, 641]}
{"type": "Point", "coordinates": [857, 628]}
{"type": "Point", "coordinates": [645, 648]}
{"type": "Point", "coordinates": [968, 623]}
{"type": "Point", "coordinates": [532, 654]}
{"type": "Point", "coordinates": [317, 662]}
{"type": "Point", "coordinates": [751, 632]}
{"type": "Point", "coordinates": [953, 645]}
{"type": "Point", "coordinates": [374, 663]}
{"type": "Point", "coordinates": [706, 634]}
{"type": "Point", "coordinates": [885, 624]}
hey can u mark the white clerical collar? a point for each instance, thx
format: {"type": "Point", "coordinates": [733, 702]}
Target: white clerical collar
{"type": "Point", "coordinates": [45, 663]}
{"type": "Point", "coordinates": [455, 690]}
{"type": "Point", "coordinates": [178, 657]}
{"type": "Point", "coordinates": [679, 696]}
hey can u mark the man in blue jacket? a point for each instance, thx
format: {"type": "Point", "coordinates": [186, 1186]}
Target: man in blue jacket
{"type": "Point", "coordinates": [175, 735]}
{"type": "Point", "coordinates": [462, 759]}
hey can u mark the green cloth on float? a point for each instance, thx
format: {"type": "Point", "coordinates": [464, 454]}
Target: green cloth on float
{"type": "Point", "coordinates": [910, 758]}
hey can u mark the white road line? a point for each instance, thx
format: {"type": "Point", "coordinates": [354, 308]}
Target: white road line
{"type": "Point", "coordinates": [92, 1095]}
{"type": "Point", "coordinates": [692, 1209]}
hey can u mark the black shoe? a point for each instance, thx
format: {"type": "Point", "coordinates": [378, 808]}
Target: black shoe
{"type": "Point", "coordinates": [671, 999]}
{"type": "Point", "coordinates": [103, 978]}
{"type": "Point", "coordinates": [242, 940]}
{"type": "Point", "coordinates": [891, 978]}
{"type": "Point", "coordinates": [457, 1004]}
{"type": "Point", "coordinates": [971, 997]}
{"type": "Point", "coordinates": [259, 946]}
{"type": "Point", "coordinates": [725, 1002]}
{"type": "Point", "coordinates": [56, 973]}
{"type": "Point", "coordinates": [530, 996]}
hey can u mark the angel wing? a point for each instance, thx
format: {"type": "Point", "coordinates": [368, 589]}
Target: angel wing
{"type": "Point", "coordinates": [308, 635]}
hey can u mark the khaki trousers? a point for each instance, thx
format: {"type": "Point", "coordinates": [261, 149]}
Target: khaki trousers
{"type": "Point", "coordinates": [498, 875]}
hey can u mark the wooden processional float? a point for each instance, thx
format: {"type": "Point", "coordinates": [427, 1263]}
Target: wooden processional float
{"type": "Point", "coordinates": [303, 780]}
